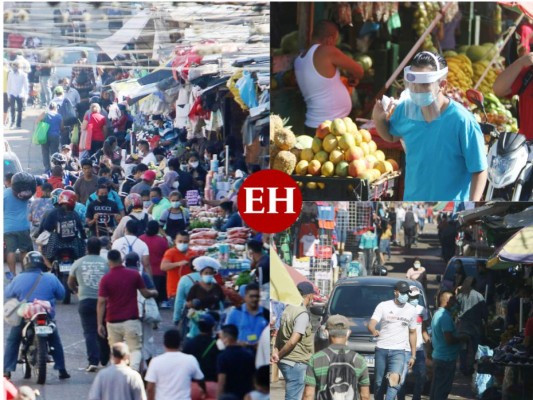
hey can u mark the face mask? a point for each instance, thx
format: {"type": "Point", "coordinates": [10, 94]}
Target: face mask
{"type": "Point", "coordinates": [175, 204]}
{"type": "Point", "coordinates": [194, 164]}
{"type": "Point", "coordinates": [413, 302]}
{"type": "Point", "coordinates": [102, 198]}
{"type": "Point", "coordinates": [147, 204]}
{"type": "Point", "coordinates": [220, 345]}
{"type": "Point", "coordinates": [402, 298]}
{"type": "Point", "coordinates": [207, 158]}
{"type": "Point", "coordinates": [416, 265]}
{"type": "Point", "coordinates": [208, 279]}
{"type": "Point", "coordinates": [156, 200]}
{"type": "Point", "coordinates": [182, 247]}
{"type": "Point", "coordinates": [422, 99]}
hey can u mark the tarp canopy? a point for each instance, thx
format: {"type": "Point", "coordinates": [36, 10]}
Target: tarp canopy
{"type": "Point", "coordinates": [467, 217]}
{"type": "Point", "coordinates": [517, 250]}
{"type": "Point", "coordinates": [525, 7]}
{"type": "Point", "coordinates": [444, 206]}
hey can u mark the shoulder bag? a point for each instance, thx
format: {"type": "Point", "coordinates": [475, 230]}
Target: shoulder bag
{"type": "Point", "coordinates": [11, 316]}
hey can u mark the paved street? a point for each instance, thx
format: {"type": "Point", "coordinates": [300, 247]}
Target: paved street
{"type": "Point", "coordinates": [428, 250]}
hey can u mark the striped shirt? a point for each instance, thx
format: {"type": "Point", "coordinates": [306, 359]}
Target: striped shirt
{"type": "Point", "coordinates": [317, 368]}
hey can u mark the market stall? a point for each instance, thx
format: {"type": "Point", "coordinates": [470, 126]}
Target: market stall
{"type": "Point", "coordinates": [383, 38]}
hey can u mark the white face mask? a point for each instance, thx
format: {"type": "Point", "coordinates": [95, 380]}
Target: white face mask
{"type": "Point", "coordinates": [194, 164]}
{"type": "Point", "coordinates": [176, 185]}
{"type": "Point", "coordinates": [416, 265]}
{"type": "Point", "coordinates": [220, 345]}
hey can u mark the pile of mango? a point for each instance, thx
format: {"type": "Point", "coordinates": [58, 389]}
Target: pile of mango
{"type": "Point", "coordinates": [460, 71]}
{"type": "Point", "coordinates": [499, 115]}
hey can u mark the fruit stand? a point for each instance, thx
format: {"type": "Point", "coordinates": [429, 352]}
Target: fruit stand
{"type": "Point", "coordinates": [341, 162]}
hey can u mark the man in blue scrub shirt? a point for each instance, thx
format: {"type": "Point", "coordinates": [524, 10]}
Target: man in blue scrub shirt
{"type": "Point", "coordinates": [444, 146]}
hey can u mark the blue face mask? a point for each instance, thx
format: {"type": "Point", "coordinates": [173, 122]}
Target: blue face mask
{"type": "Point", "coordinates": [402, 298]}
{"type": "Point", "coordinates": [208, 278]}
{"type": "Point", "coordinates": [413, 302]}
{"type": "Point", "coordinates": [156, 200]}
{"type": "Point", "coordinates": [423, 99]}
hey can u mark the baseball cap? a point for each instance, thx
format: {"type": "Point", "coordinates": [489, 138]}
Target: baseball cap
{"type": "Point", "coordinates": [65, 147]}
{"type": "Point", "coordinates": [305, 288]}
{"type": "Point", "coordinates": [149, 175]}
{"type": "Point", "coordinates": [207, 319]}
{"type": "Point", "coordinates": [402, 287]}
{"type": "Point", "coordinates": [103, 181]}
{"type": "Point", "coordinates": [414, 291]}
{"type": "Point", "coordinates": [337, 323]}
{"type": "Point", "coordinates": [132, 259]}
{"type": "Point", "coordinates": [58, 90]}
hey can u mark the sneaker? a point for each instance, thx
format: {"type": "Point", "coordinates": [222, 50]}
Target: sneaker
{"type": "Point", "coordinates": [164, 305]}
{"type": "Point", "coordinates": [9, 276]}
{"type": "Point", "coordinates": [63, 374]}
{"type": "Point", "coordinates": [91, 368]}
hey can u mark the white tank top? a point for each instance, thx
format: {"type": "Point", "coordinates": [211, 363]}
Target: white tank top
{"type": "Point", "coordinates": [326, 98]}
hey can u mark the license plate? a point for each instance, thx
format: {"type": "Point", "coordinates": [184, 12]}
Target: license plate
{"type": "Point", "coordinates": [64, 267]}
{"type": "Point", "coordinates": [43, 330]}
{"type": "Point", "coordinates": [369, 361]}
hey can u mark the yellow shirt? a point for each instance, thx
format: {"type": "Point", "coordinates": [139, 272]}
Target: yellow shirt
{"type": "Point", "coordinates": [6, 73]}
{"type": "Point", "coordinates": [387, 234]}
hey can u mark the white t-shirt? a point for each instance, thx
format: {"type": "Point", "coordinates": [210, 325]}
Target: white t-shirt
{"type": "Point", "coordinates": [262, 356]}
{"type": "Point", "coordinates": [137, 245]}
{"type": "Point", "coordinates": [421, 315]}
{"type": "Point", "coordinates": [149, 158]}
{"type": "Point", "coordinates": [309, 243]}
{"type": "Point", "coordinates": [172, 373]}
{"type": "Point", "coordinates": [395, 324]}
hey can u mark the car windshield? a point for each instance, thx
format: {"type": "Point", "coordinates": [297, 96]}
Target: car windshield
{"type": "Point", "coordinates": [361, 301]}
{"type": "Point", "coordinates": [470, 269]}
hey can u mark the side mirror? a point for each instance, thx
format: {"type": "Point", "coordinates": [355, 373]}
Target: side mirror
{"type": "Point", "coordinates": [439, 279]}
{"type": "Point", "coordinates": [319, 309]}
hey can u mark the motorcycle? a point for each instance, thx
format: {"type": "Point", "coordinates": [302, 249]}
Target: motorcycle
{"type": "Point", "coordinates": [510, 160]}
{"type": "Point", "coordinates": [34, 349]}
{"type": "Point", "coordinates": [61, 268]}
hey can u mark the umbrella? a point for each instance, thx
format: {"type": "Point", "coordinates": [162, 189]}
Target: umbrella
{"type": "Point", "coordinates": [517, 250]}
{"type": "Point", "coordinates": [282, 286]}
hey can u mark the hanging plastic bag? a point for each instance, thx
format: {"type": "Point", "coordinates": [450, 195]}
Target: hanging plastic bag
{"type": "Point", "coordinates": [75, 138]}
{"type": "Point", "coordinates": [40, 136]}
{"type": "Point", "coordinates": [247, 89]}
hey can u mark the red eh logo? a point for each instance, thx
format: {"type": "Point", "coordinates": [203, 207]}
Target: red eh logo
{"type": "Point", "coordinates": [269, 201]}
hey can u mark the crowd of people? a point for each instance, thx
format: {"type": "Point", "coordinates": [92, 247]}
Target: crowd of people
{"type": "Point", "coordinates": [119, 201]}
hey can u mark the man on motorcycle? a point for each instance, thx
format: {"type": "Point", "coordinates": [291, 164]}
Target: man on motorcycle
{"type": "Point", "coordinates": [69, 178]}
{"type": "Point", "coordinates": [65, 227]}
{"type": "Point", "coordinates": [49, 289]}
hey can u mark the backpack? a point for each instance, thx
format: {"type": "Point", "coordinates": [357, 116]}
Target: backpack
{"type": "Point", "coordinates": [83, 77]}
{"type": "Point", "coordinates": [141, 224]}
{"type": "Point", "coordinates": [67, 112]}
{"type": "Point", "coordinates": [341, 381]}
{"type": "Point", "coordinates": [67, 227]}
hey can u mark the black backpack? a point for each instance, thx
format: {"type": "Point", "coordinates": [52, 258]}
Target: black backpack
{"type": "Point", "coordinates": [341, 382]}
{"type": "Point", "coordinates": [67, 112]}
{"type": "Point", "coordinates": [141, 224]}
{"type": "Point", "coordinates": [83, 77]}
{"type": "Point", "coordinates": [67, 227]}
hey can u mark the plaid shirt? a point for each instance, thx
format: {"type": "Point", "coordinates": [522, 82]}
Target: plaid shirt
{"type": "Point", "coordinates": [317, 368]}
{"type": "Point", "coordinates": [91, 82]}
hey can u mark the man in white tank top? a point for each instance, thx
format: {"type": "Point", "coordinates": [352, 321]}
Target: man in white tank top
{"type": "Point", "coordinates": [318, 76]}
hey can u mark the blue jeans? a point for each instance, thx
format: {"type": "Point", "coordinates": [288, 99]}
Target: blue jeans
{"type": "Point", "coordinates": [387, 361]}
{"type": "Point", "coordinates": [441, 384]}
{"type": "Point", "coordinates": [50, 147]}
{"type": "Point", "coordinates": [17, 103]}
{"type": "Point", "coordinates": [97, 347]}
{"type": "Point", "coordinates": [46, 93]}
{"type": "Point", "coordinates": [294, 380]}
{"type": "Point", "coordinates": [419, 372]}
{"type": "Point", "coordinates": [13, 344]}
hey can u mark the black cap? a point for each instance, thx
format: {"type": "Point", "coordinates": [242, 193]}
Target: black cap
{"type": "Point", "coordinates": [132, 260]}
{"type": "Point", "coordinates": [402, 287]}
{"type": "Point", "coordinates": [305, 288]}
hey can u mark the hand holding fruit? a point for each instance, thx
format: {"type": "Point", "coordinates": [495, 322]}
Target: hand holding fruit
{"type": "Point", "coordinates": [378, 113]}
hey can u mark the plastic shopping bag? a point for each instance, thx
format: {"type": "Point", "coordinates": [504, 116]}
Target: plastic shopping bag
{"type": "Point", "coordinates": [40, 136]}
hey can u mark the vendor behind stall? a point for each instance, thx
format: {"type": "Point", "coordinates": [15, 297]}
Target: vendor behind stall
{"type": "Point", "coordinates": [318, 75]}
{"type": "Point", "coordinates": [445, 151]}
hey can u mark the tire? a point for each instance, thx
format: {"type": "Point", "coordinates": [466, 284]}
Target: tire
{"type": "Point", "coordinates": [64, 279]}
{"type": "Point", "coordinates": [41, 343]}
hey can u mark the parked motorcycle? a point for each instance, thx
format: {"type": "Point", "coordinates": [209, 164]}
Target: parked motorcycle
{"type": "Point", "coordinates": [510, 160]}
{"type": "Point", "coordinates": [34, 349]}
{"type": "Point", "coordinates": [61, 268]}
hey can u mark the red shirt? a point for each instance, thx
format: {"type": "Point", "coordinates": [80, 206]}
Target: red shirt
{"type": "Point", "coordinates": [120, 287]}
{"type": "Point", "coordinates": [98, 122]}
{"type": "Point", "coordinates": [56, 182]}
{"type": "Point", "coordinates": [525, 105]}
{"type": "Point", "coordinates": [157, 246]}
{"type": "Point", "coordinates": [174, 275]}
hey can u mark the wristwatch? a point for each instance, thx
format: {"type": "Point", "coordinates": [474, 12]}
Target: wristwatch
{"type": "Point", "coordinates": [413, 357]}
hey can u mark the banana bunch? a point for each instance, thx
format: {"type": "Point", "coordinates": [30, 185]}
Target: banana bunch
{"type": "Point", "coordinates": [486, 85]}
{"type": "Point", "coordinates": [460, 72]}
{"type": "Point", "coordinates": [424, 14]}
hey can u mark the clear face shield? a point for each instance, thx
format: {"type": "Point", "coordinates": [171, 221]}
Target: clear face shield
{"type": "Point", "coordinates": [420, 96]}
